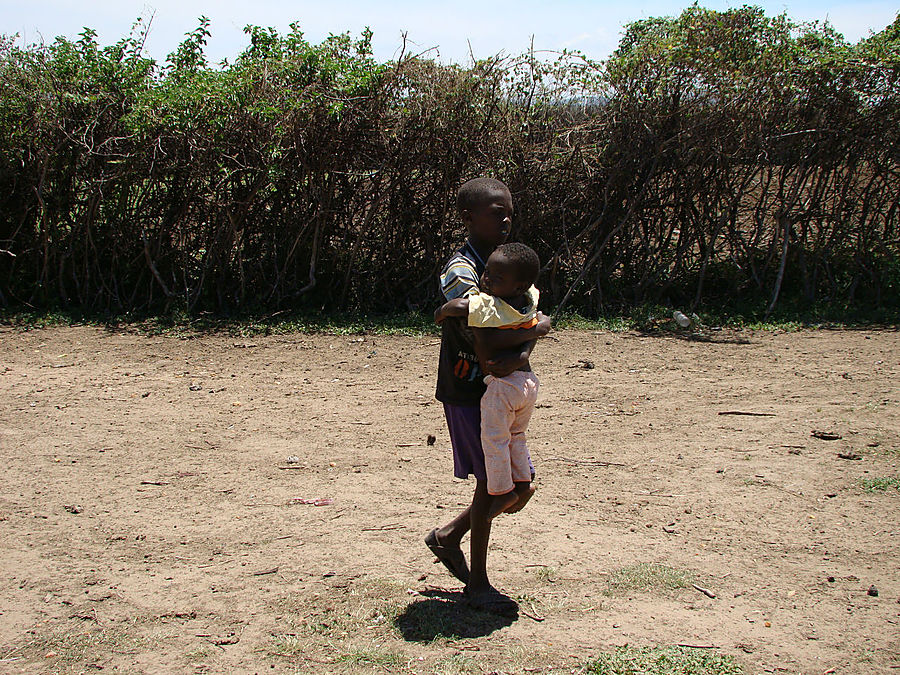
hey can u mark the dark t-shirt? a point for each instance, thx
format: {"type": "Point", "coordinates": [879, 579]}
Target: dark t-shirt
{"type": "Point", "coordinates": [460, 380]}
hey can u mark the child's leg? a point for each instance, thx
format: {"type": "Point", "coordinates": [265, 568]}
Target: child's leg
{"type": "Point", "coordinates": [524, 491]}
{"type": "Point", "coordinates": [497, 414]}
{"type": "Point", "coordinates": [520, 461]}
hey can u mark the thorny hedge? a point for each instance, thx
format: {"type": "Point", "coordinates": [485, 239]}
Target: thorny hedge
{"type": "Point", "coordinates": [714, 157]}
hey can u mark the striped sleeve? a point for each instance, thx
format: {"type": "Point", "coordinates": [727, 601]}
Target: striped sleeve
{"type": "Point", "coordinates": [459, 278]}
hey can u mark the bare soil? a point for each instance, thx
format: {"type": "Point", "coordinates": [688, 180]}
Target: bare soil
{"type": "Point", "coordinates": [159, 513]}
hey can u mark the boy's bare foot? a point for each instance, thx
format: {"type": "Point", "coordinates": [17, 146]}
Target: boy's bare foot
{"type": "Point", "coordinates": [500, 503]}
{"type": "Point", "coordinates": [524, 492]}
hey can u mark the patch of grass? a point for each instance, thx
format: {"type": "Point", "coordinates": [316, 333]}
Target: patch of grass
{"type": "Point", "coordinates": [786, 326]}
{"type": "Point", "coordinates": [373, 656]}
{"type": "Point", "coordinates": [430, 621]}
{"type": "Point", "coordinates": [72, 649]}
{"type": "Point", "coordinates": [199, 654]}
{"type": "Point", "coordinates": [328, 623]}
{"type": "Point", "coordinates": [545, 574]}
{"type": "Point", "coordinates": [410, 323]}
{"type": "Point", "coordinates": [880, 484]}
{"type": "Point", "coordinates": [458, 664]}
{"type": "Point", "coordinates": [287, 645]}
{"type": "Point", "coordinates": [663, 661]}
{"type": "Point", "coordinates": [658, 318]}
{"type": "Point", "coordinates": [649, 317]}
{"type": "Point", "coordinates": [647, 577]}
{"type": "Point", "coordinates": [31, 320]}
{"type": "Point", "coordinates": [572, 321]}
{"type": "Point", "coordinates": [178, 323]}
{"type": "Point", "coordinates": [437, 618]}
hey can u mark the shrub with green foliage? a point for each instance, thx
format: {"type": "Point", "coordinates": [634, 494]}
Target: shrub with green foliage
{"type": "Point", "coordinates": [715, 157]}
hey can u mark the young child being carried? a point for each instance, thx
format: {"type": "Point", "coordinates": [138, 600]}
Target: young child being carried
{"type": "Point", "coordinates": [508, 300]}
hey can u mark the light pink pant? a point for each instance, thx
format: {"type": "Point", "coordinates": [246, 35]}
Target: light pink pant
{"type": "Point", "coordinates": [506, 408]}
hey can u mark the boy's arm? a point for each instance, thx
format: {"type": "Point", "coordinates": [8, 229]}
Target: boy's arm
{"type": "Point", "coordinates": [455, 307]}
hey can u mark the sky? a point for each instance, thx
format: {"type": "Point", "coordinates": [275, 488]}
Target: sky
{"type": "Point", "coordinates": [451, 32]}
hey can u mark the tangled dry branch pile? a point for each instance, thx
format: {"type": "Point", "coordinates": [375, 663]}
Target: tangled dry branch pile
{"type": "Point", "coordinates": [714, 156]}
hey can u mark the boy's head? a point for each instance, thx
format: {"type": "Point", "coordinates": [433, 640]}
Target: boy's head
{"type": "Point", "coordinates": [510, 270]}
{"type": "Point", "coordinates": [485, 206]}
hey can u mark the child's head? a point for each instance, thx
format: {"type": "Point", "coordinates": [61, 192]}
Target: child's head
{"type": "Point", "coordinates": [510, 270]}
{"type": "Point", "coordinates": [485, 206]}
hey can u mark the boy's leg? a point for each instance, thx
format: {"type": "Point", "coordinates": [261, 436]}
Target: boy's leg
{"type": "Point", "coordinates": [465, 434]}
{"type": "Point", "coordinates": [480, 526]}
{"type": "Point", "coordinates": [474, 518]}
{"type": "Point", "coordinates": [464, 425]}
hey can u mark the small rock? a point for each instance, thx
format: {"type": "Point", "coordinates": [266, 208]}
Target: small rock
{"type": "Point", "coordinates": [872, 591]}
{"type": "Point", "coordinates": [73, 508]}
{"type": "Point", "coordinates": [431, 440]}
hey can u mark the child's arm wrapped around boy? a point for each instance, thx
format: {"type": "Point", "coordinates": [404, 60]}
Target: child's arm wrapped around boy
{"type": "Point", "coordinates": [500, 351]}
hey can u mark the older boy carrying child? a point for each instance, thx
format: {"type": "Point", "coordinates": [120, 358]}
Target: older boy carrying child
{"type": "Point", "coordinates": [485, 207]}
{"type": "Point", "coordinates": [509, 301]}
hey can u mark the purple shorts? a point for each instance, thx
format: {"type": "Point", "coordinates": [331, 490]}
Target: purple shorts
{"type": "Point", "coordinates": [464, 423]}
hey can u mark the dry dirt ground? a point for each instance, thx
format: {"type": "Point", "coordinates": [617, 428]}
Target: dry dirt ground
{"type": "Point", "coordinates": [155, 509]}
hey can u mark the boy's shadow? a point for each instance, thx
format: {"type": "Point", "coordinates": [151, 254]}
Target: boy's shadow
{"type": "Point", "coordinates": [443, 614]}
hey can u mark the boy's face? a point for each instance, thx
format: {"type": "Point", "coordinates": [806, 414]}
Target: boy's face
{"type": "Point", "coordinates": [500, 278]}
{"type": "Point", "coordinates": [489, 223]}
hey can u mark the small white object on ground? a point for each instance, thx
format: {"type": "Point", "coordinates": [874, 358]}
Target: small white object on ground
{"type": "Point", "coordinates": [681, 319]}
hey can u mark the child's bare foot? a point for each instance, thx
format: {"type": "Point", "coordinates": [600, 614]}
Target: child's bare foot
{"type": "Point", "coordinates": [500, 503]}
{"type": "Point", "coordinates": [524, 492]}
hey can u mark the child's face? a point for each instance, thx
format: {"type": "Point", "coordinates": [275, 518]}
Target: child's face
{"type": "Point", "coordinates": [489, 223]}
{"type": "Point", "coordinates": [500, 278]}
